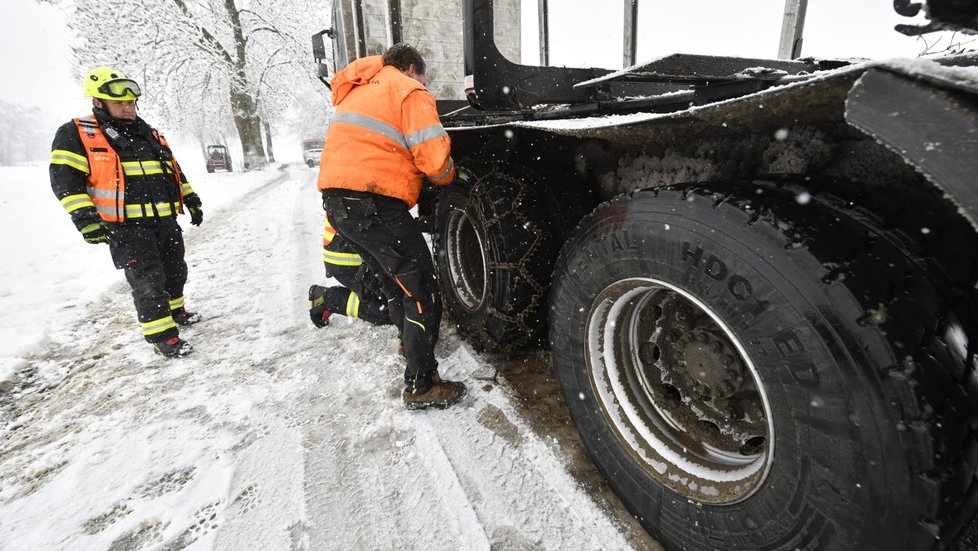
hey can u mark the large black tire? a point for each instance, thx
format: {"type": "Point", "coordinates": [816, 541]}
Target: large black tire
{"type": "Point", "coordinates": [494, 252]}
{"type": "Point", "coordinates": [753, 371]}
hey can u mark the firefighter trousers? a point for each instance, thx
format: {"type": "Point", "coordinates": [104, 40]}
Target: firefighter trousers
{"type": "Point", "coordinates": [359, 294]}
{"type": "Point", "coordinates": [151, 251]}
{"type": "Point", "coordinates": [389, 239]}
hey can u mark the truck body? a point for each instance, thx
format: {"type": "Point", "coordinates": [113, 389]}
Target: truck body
{"type": "Point", "coordinates": [757, 278]}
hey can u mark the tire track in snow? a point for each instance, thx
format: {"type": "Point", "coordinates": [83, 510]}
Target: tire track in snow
{"type": "Point", "coordinates": [216, 415]}
{"type": "Point", "coordinates": [273, 434]}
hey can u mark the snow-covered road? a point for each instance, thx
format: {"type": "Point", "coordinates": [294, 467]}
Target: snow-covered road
{"type": "Point", "coordinates": [272, 435]}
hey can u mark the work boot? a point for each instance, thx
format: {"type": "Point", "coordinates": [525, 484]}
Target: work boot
{"type": "Point", "coordinates": [317, 306]}
{"type": "Point", "coordinates": [441, 395]}
{"type": "Point", "coordinates": [183, 317]}
{"type": "Point", "coordinates": [174, 347]}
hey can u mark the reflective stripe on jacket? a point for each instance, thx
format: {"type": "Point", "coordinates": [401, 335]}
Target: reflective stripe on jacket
{"type": "Point", "coordinates": [106, 175]}
{"type": "Point", "coordinates": [385, 136]}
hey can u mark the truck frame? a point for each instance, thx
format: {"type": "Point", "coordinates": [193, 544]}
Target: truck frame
{"type": "Point", "coordinates": [757, 279]}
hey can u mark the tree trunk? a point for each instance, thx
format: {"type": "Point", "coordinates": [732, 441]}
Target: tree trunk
{"type": "Point", "coordinates": [243, 107]}
{"type": "Point", "coordinates": [268, 141]}
{"type": "Point", "coordinates": [248, 123]}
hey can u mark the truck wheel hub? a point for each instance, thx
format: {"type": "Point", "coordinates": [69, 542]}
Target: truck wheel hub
{"type": "Point", "coordinates": [679, 390]}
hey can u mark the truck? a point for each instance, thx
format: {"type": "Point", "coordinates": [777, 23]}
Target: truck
{"type": "Point", "coordinates": [755, 278]}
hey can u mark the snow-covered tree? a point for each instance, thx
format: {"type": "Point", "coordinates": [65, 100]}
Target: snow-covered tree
{"type": "Point", "coordinates": [206, 63]}
{"type": "Point", "coordinates": [25, 138]}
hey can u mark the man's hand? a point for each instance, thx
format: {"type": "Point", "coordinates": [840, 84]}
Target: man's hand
{"type": "Point", "coordinates": [196, 215]}
{"type": "Point", "coordinates": [464, 181]}
{"type": "Point", "coordinates": [194, 206]}
{"type": "Point", "coordinates": [95, 233]}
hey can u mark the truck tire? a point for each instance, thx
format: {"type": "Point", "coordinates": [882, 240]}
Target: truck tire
{"type": "Point", "coordinates": [494, 255]}
{"type": "Point", "coordinates": [754, 368]}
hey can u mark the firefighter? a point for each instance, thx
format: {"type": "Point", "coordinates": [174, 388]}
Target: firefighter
{"type": "Point", "coordinates": [385, 137]}
{"type": "Point", "coordinates": [117, 179]}
{"type": "Point", "coordinates": [361, 293]}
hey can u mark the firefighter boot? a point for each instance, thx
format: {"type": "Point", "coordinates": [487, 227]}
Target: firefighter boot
{"type": "Point", "coordinates": [174, 347]}
{"type": "Point", "coordinates": [441, 395]}
{"type": "Point", "coordinates": [317, 306]}
{"type": "Point", "coordinates": [183, 317]}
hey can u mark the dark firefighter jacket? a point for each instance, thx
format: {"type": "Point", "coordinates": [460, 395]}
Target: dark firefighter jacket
{"type": "Point", "coordinates": [385, 136]}
{"type": "Point", "coordinates": [115, 170]}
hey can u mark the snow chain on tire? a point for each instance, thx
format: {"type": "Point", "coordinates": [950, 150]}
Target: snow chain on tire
{"type": "Point", "coordinates": [494, 251]}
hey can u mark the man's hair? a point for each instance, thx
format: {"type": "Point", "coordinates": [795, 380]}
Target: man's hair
{"type": "Point", "coordinates": [403, 56]}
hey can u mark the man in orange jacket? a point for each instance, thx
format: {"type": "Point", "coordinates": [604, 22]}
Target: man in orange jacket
{"type": "Point", "coordinates": [385, 137]}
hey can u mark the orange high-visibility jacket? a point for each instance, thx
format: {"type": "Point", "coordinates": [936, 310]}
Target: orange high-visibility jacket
{"type": "Point", "coordinates": [385, 135]}
{"type": "Point", "coordinates": [106, 183]}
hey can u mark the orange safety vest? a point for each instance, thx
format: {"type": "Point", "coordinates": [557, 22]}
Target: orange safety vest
{"type": "Point", "coordinates": [106, 178]}
{"type": "Point", "coordinates": [385, 136]}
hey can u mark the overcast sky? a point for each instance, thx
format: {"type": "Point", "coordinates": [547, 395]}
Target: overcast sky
{"type": "Point", "coordinates": [748, 28]}
{"type": "Point", "coordinates": [36, 56]}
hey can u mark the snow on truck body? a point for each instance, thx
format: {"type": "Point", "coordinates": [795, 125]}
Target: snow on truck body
{"type": "Point", "coordinates": [756, 277]}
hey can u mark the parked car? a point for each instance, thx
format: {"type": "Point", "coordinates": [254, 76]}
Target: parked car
{"type": "Point", "coordinates": [311, 151]}
{"type": "Point", "coordinates": [218, 158]}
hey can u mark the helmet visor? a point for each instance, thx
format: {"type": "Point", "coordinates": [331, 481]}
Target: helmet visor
{"type": "Point", "coordinates": [120, 88]}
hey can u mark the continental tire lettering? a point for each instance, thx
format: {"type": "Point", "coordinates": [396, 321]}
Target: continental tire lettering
{"type": "Point", "coordinates": [610, 244]}
{"type": "Point", "coordinates": [621, 241]}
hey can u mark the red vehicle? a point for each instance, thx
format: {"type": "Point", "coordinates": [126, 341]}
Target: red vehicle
{"type": "Point", "coordinates": [218, 158]}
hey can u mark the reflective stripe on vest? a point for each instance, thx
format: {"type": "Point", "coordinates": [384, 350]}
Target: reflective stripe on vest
{"type": "Point", "coordinates": [106, 185]}
{"type": "Point", "coordinates": [106, 175]}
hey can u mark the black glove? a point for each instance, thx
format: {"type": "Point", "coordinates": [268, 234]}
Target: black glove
{"type": "Point", "coordinates": [464, 181]}
{"type": "Point", "coordinates": [196, 215]}
{"type": "Point", "coordinates": [194, 206]}
{"type": "Point", "coordinates": [95, 233]}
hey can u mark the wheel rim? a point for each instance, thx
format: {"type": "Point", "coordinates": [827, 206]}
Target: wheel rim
{"type": "Point", "coordinates": [679, 391]}
{"type": "Point", "coordinates": [467, 256]}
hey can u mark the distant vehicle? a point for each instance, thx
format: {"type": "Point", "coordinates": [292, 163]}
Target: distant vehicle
{"type": "Point", "coordinates": [311, 151]}
{"type": "Point", "coordinates": [218, 158]}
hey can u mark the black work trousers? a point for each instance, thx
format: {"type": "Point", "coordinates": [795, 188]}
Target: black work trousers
{"type": "Point", "coordinates": [360, 296]}
{"type": "Point", "coordinates": [390, 240]}
{"type": "Point", "coordinates": [151, 251]}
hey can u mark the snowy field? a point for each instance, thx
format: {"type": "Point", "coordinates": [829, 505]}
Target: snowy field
{"type": "Point", "coordinates": [273, 435]}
